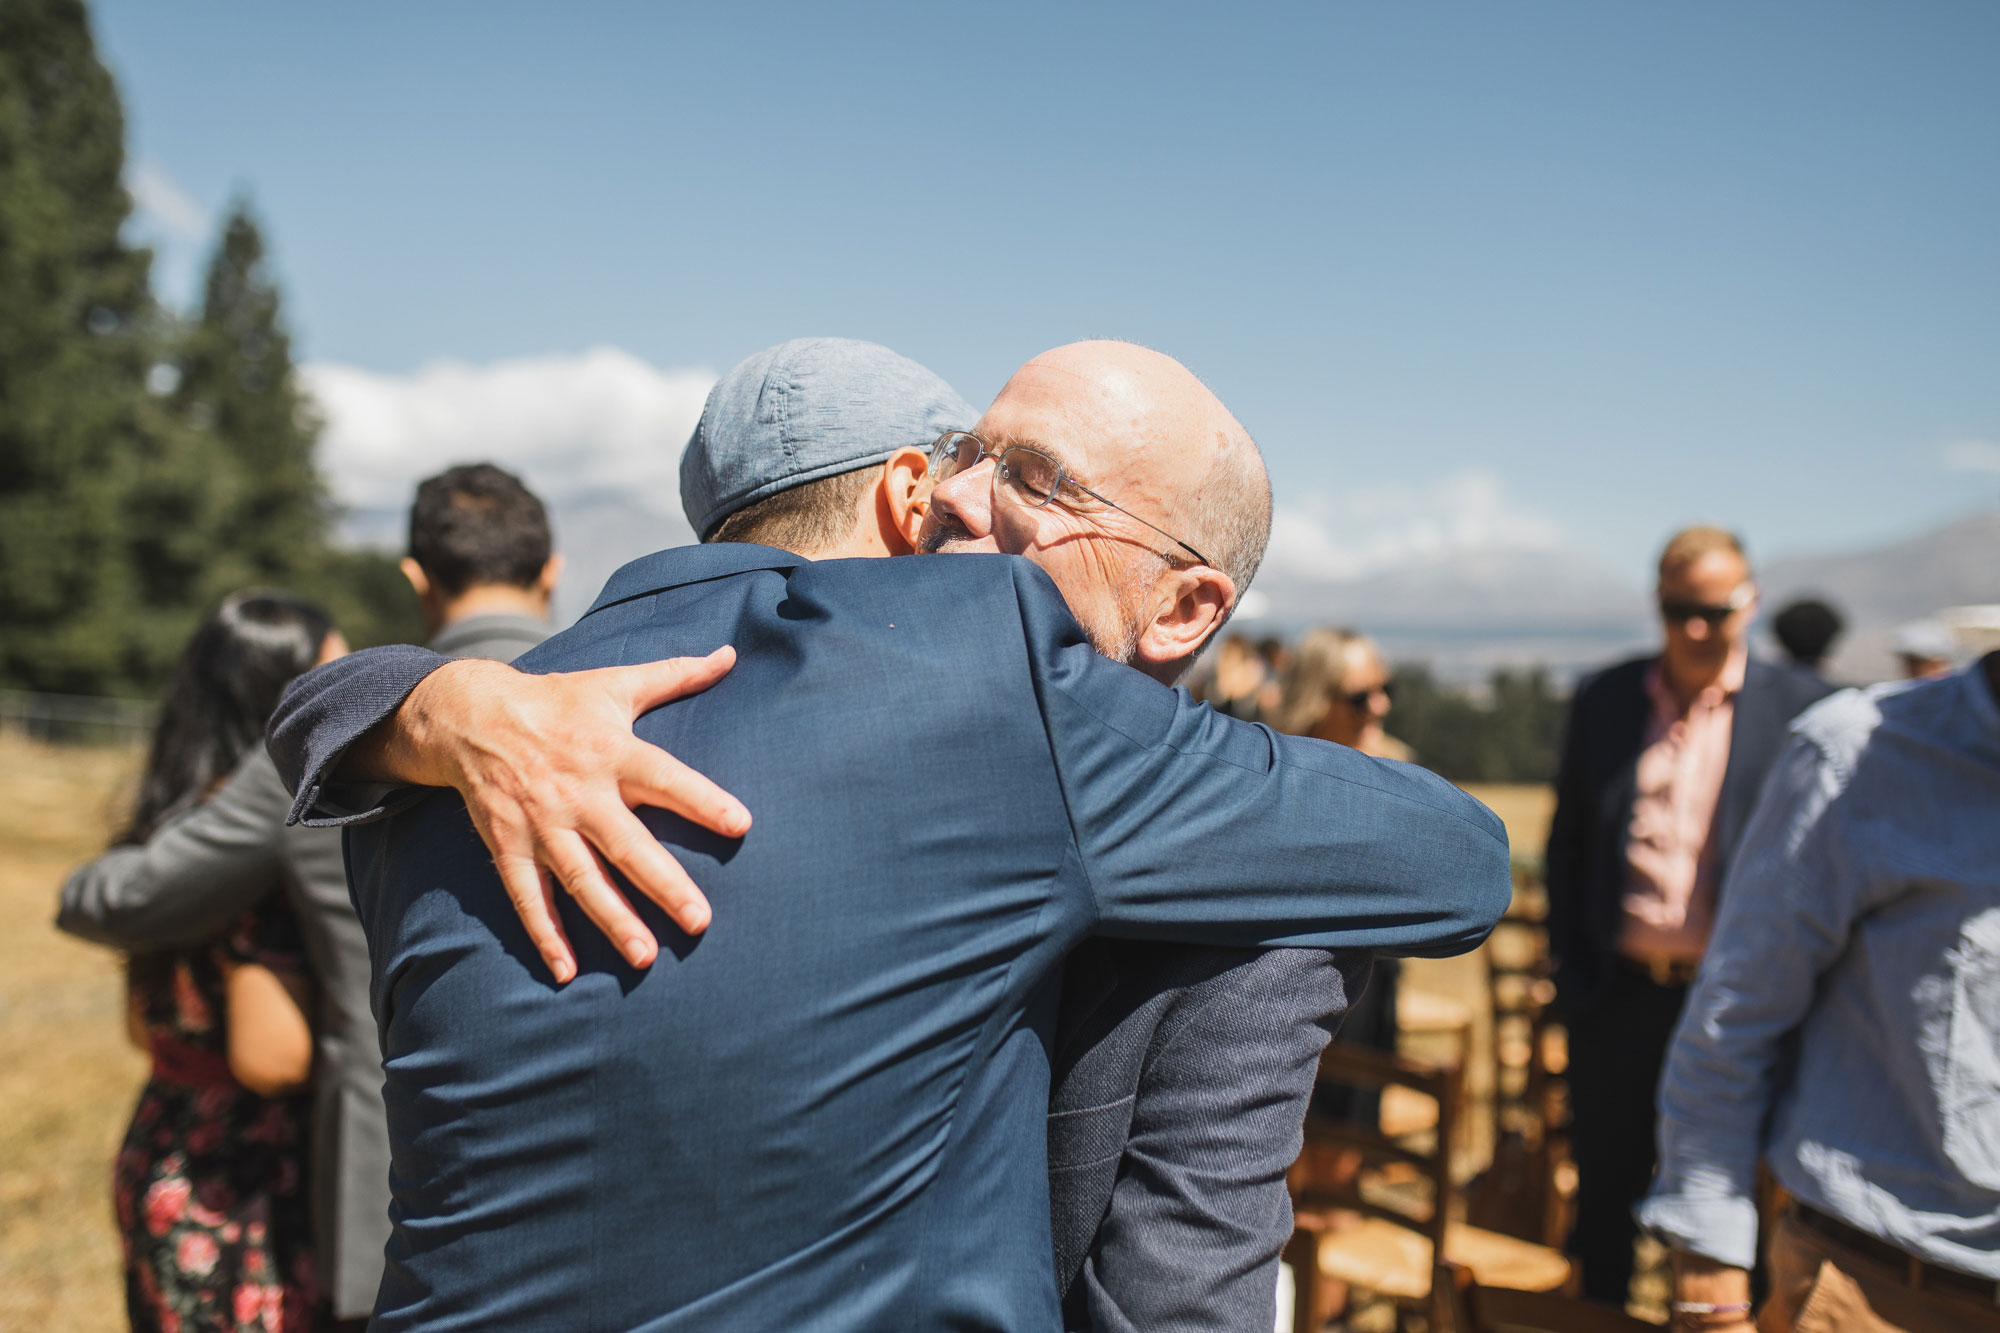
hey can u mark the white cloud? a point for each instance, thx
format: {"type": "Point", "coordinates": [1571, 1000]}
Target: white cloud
{"type": "Point", "coordinates": [572, 426]}
{"type": "Point", "coordinates": [166, 204]}
{"type": "Point", "coordinates": [1371, 530]}
{"type": "Point", "coordinates": [1972, 456]}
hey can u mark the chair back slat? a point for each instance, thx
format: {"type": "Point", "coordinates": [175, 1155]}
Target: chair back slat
{"type": "Point", "coordinates": [1429, 1158]}
{"type": "Point", "coordinates": [1459, 1305]}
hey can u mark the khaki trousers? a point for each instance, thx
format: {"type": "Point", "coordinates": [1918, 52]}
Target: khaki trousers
{"type": "Point", "coordinates": [1821, 1286]}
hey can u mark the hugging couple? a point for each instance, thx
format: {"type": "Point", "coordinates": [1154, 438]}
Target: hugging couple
{"type": "Point", "coordinates": [975, 977]}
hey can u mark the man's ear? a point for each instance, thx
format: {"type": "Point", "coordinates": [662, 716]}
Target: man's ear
{"type": "Point", "coordinates": [420, 582]}
{"type": "Point", "coordinates": [902, 498]}
{"type": "Point", "coordinates": [1191, 606]}
{"type": "Point", "coordinates": [551, 574]}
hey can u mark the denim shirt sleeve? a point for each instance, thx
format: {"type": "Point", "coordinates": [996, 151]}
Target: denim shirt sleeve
{"type": "Point", "coordinates": [1791, 899]}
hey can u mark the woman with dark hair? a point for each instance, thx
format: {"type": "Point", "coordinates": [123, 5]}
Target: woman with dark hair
{"type": "Point", "coordinates": [210, 1183]}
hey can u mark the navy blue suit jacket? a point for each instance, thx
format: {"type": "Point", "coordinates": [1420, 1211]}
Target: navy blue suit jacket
{"type": "Point", "coordinates": [829, 1110]}
{"type": "Point", "coordinates": [1599, 779]}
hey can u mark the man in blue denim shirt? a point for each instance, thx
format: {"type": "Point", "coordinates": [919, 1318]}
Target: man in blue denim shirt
{"type": "Point", "coordinates": [1846, 1028]}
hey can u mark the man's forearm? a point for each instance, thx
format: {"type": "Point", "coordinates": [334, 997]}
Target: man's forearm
{"type": "Point", "coordinates": [409, 746]}
{"type": "Point", "coordinates": [315, 734]}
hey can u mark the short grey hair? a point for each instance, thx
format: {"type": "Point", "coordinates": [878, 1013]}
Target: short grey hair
{"type": "Point", "coordinates": [1228, 514]}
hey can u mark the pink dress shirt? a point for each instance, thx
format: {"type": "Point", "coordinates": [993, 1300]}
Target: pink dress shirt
{"type": "Point", "coordinates": [1670, 851]}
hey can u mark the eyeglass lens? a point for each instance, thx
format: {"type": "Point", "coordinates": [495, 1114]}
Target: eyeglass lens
{"type": "Point", "coordinates": [1031, 475]}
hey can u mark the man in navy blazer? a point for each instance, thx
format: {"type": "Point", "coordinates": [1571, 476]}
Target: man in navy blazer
{"type": "Point", "coordinates": [1661, 767]}
{"type": "Point", "coordinates": [833, 1094]}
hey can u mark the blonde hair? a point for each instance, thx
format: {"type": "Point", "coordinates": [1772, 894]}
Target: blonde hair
{"type": "Point", "coordinates": [1319, 676]}
{"type": "Point", "coordinates": [1691, 544]}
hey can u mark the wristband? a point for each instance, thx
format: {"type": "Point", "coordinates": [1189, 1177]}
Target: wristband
{"type": "Point", "coordinates": [1706, 1307]}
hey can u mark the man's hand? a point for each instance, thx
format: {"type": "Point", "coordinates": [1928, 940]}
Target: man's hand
{"type": "Point", "coordinates": [551, 772]}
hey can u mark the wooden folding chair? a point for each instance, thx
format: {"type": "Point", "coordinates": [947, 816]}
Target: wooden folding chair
{"type": "Point", "coordinates": [1529, 1190]}
{"type": "Point", "coordinates": [1384, 1228]}
{"type": "Point", "coordinates": [1460, 1305]}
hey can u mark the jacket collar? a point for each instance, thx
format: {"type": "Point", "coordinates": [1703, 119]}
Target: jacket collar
{"type": "Point", "coordinates": [680, 565]}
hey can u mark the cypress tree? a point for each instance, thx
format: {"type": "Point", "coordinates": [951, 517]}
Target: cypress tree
{"type": "Point", "coordinates": [237, 385]}
{"type": "Point", "coordinates": [268, 518]}
{"type": "Point", "coordinates": [76, 338]}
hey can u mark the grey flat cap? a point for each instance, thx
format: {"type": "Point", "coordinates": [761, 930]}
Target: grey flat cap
{"type": "Point", "coordinates": [803, 410]}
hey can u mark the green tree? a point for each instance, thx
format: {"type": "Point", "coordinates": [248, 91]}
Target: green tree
{"type": "Point", "coordinates": [270, 518]}
{"type": "Point", "coordinates": [77, 333]}
{"type": "Point", "coordinates": [1511, 734]}
{"type": "Point", "coordinates": [237, 385]}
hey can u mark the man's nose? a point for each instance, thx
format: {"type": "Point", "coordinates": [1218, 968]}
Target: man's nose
{"type": "Point", "coordinates": [967, 498]}
{"type": "Point", "coordinates": [1697, 628]}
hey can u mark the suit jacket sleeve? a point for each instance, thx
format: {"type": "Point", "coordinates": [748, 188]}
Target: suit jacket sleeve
{"type": "Point", "coordinates": [193, 877]}
{"type": "Point", "coordinates": [1567, 863]}
{"type": "Point", "coordinates": [1194, 826]}
{"type": "Point", "coordinates": [328, 709]}
{"type": "Point", "coordinates": [1200, 1211]}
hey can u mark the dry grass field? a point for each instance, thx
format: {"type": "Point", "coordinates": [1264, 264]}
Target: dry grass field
{"type": "Point", "coordinates": [67, 1075]}
{"type": "Point", "coordinates": [68, 1078]}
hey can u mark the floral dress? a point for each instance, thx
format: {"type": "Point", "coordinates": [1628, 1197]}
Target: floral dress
{"type": "Point", "coordinates": [209, 1187]}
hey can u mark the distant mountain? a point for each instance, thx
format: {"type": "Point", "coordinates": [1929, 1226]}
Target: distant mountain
{"type": "Point", "coordinates": [1476, 610]}
{"type": "Point", "coordinates": [1886, 586]}
{"type": "Point", "coordinates": [599, 533]}
{"type": "Point", "coordinates": [1470, 612]}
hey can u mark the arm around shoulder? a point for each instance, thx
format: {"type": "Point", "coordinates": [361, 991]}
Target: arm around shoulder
{"type": "Point", "coordinates": [325, 712]}
{"type": "Point", "coordinates": [192, 877]}
{"type": "Point", "coordinates": [1194, 826]}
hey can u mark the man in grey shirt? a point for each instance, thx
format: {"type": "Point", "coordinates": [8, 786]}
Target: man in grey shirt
{"type": "Point", "coordinates": [1845, 1027]}
{"type": "Point", "coordinates": [481, 564]}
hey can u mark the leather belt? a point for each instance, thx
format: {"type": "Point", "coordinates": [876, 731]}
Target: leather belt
{"type": "Point", "coordinates": [1663, 971]}
{"type": "Point", "coordinates": [1918, 1274]}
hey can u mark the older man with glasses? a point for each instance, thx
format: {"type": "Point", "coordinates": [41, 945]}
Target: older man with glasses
{"type": "Point", "coordinates": [815, 1133]}
{"type": "Point", "coordinates": [1662, 764]}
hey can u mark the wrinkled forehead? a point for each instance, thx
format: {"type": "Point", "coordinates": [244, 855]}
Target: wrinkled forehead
{"type": "Point", "coordinates": [1103, 427]}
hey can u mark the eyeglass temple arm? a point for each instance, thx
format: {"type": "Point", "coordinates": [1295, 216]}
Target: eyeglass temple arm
{"type": "Point", "coordinates": [1154, 526]}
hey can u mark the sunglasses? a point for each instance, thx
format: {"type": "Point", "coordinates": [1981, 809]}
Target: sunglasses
{"type": "Point", "coordinates": [1679, 613]}
{"type": "Point", "coordinates": [1359, 700]}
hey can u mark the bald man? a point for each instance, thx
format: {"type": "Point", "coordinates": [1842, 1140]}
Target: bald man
{"type": "Point", "coordinates": [1181, 1073]}
{"type": "Point", "coordinates": [1179, 825]}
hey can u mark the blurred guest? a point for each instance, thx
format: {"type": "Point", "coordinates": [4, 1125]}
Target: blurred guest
{"type": "Point", "coordinates": [1846, 1029]}
{"type": "Point", "coordinates": [1338, 690]}
{"type": "Point", "coordinates": [1806, 629]}
{"type": "Point", "coordinates": [1241, 680]}
{"type": "Point", "coordinates": [1925, 649]}
{"type": "Point", "coordinates": [1660, 768]}
{"type": "Point", "coordinates": [482, 562]}
{"type": "Point", "coordinates": [190, 876]}
{"type": "Point", "coordinates": [1277, 658]}
{"type": "Point", "coordinates": [210, 1186]}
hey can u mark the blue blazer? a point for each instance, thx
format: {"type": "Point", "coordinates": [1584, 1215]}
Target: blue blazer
{"type": "Point", "coordinates": [828, 1111]}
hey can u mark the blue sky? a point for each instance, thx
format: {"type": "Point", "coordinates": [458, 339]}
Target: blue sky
{"type": "Point", "coordinates": [1562, 275]}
